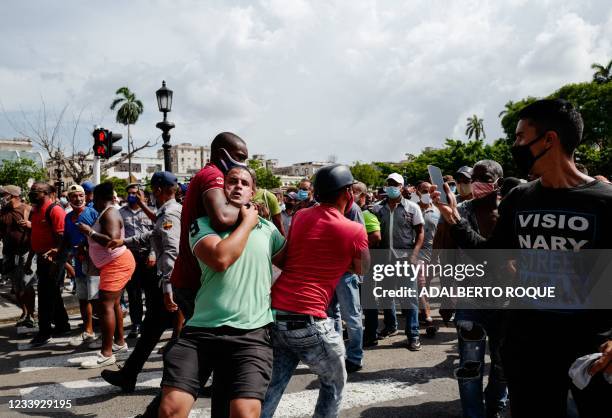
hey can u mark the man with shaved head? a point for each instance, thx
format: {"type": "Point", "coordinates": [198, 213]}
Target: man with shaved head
{"type": "Point", "coordinates": [205, 197]}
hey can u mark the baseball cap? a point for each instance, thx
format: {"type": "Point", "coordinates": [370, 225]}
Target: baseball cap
{"type": "Point", "coordinates": [88, 186]}
{"type": "Point", "coordinates": [163, 178]}
{"type": "Point", "coordinates": [11, 189]}
{"type": "Point", "coordinates": [292, 195]}
{"type": "Point", "coordinates": [465, 171]}
{"type": "Point", "coordinates": [396, 177]}
{"type": "Point", "coordinates": [75, 188]}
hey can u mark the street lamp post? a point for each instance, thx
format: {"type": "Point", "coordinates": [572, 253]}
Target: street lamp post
{"type": "Point", "coordinates": [164, 103]}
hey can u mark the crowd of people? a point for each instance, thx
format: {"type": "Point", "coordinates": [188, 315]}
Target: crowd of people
{"type": "Point", "coordinates": [254, 282]}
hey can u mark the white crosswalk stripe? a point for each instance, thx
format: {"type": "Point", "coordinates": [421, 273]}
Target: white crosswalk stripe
{"type": "Point", "coordinates": [356, 394]}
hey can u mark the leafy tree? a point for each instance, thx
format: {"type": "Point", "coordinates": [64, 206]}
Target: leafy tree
{"type": "Point", "coordinates": [119, 185]}
{"type": "Point", "coordinates": [265, 178]}
{"type": "Point", "coordinates": [19, 172]}
{"type": "Point", "coordinates": [594, 101]}
{"type": "Point", "coordinates": [602, 74]}
{"type": "Point", "coordinates": [127, 114]}
{"type": "Point", "coordinates": [367, 173]}
{"type": "Point", "coordinates": [475, 128]}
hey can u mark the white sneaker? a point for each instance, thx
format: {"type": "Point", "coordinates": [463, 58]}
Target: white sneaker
{"type": "Point", "coordinates": [99, 361]}
{"type": "Point", "coordinates": [94, 345]}
{"type": "Point", "coordinates": [120, 348]}
{"type": "Point", "coordinates": [83, 338]}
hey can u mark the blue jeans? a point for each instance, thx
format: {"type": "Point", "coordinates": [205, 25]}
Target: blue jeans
{"type": "Point", "coordinates": [321, 348]}
{"type": "Point", "coordinates": [472, 347]}
{"type": "Point", "coordinates": [412, 319]}
{"type": "Point", "coordinates": [346, 305]}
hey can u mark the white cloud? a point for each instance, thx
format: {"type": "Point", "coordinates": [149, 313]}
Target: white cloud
{"type": "Point", "coordinates": [301, 80]}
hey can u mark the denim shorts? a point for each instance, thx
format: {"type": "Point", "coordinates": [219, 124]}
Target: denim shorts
{"type": "Point", "coordinates": [87, 287]}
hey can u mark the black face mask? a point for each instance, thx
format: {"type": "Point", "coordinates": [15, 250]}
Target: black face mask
{"type": "Point", "coordinates": [33, 197]}
{"type": "Point", "coordinates": [523, 157]}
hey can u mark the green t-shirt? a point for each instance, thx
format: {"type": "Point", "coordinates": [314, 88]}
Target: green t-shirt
{"type": "Point", "coordinates": [372, 223]}
{"type": "Point", "coordinates": [239, 297]}
{"type": "Point", "coordinates": [267, 198]}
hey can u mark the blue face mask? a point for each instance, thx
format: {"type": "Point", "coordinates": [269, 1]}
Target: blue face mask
{"type": "Point", "coordinates": [228, 162]}
{"type": "Point", "coordinates": [132, 199]}
{"type": "Point", "coordinates": [302, 195]}
{"type": "Point", "coordinates": [393, 192]}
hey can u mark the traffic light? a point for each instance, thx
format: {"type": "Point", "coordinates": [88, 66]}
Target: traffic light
{"type": "Point", "coordinates": [103, 143]}
{"type": "Point", "coordinates": [113, 149]}
{"type": "Point", "coordinates": [99, 147]}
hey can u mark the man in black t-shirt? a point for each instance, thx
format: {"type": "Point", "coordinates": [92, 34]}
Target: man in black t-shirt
{"type": "Point", "coordinates": [563, 210]}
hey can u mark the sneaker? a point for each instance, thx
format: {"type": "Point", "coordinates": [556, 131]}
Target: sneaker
{"type": "Point", "coordinates": [116, 378]}
{"type": "Point", "coordinates": [120, 348]}
{"type": "Point", "coordinates": [431, 330]}
{"type": "Point", "coordinates": [61, 331]}
{"type": "Point", "coordinates": [352, 367]}
{"type": "Point", "coordinates": [134, 332]}
{"type": "Point", "coordinates": [370, 343]}
{"type": "Point", "coordinates": [21, 319]}
{"type": "Point", "coordinates": [29, 322]}
{"type": "Point", "coordinates": [40, 340]}
{"type": "Point", "coordinates": [94, 345]}
{"type": "Point", "coordinates": [414, 345]}
{"type": "Point", "coordinates": [386, 333]}
{"type": "Point", "coordinates": [99, 361]}
{"type": "Point", "coordinates": [83, 338]}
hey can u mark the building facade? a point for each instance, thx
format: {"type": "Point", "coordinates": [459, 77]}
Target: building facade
{"type": "Point", "coordinates": [187, 159]}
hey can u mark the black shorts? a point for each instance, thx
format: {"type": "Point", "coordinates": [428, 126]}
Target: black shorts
{"type": "Point", "coordinates": [240, 359]}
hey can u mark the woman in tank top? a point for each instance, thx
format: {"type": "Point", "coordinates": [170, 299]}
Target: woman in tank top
{"type": "Point", "coordinates": [116, 268]}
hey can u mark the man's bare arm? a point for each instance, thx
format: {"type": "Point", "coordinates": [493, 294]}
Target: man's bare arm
{"type": "Point", "coordinates": [222, 214]}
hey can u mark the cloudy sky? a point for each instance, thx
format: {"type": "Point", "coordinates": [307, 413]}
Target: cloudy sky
{"type": "Point", "coordinates": [298, 80]}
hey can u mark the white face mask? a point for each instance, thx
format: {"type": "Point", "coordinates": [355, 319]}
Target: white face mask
{"type": "Point", "coordinates": [414, 197]}
{"type": "Point", "coordinates": [425, 199]}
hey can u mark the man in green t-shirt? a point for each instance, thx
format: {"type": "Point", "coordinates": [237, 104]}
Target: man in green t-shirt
{"type": "Point", "coordinates": [228, 331]}
{"type": "Point", "coordinates": [269, 208]}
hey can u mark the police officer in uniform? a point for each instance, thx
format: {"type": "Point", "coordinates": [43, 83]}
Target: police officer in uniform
{"type": "Point", "coordinates": [164, 238]}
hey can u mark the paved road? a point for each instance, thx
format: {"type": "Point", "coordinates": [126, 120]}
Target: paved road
{"type": "Point", "coordinates": [394, 382]}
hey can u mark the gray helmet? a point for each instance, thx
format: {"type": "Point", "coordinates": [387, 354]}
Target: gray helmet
{"type": "Point", "coordinates": [331, 178]}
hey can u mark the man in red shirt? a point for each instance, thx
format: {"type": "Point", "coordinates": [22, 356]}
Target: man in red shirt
{"type": "Point", "coordinates": [302, 293]}
{"type": "Point", "coordinates": [205, 197]}
{"type": "Point", "coordinates": [47, 230]}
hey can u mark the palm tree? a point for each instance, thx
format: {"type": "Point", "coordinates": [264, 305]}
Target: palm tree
{"type": "Point", "coordinates": [127, 114]}
{"type": "Point", "coordinates": [508, 106]}
{"type": "Point", "coordinates": [475, 128]}
{"type": "Point", "coordinates": [602, 74]}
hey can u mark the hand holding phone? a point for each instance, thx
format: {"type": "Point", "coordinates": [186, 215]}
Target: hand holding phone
{"type": "Point", "coordinates": [435, 175]}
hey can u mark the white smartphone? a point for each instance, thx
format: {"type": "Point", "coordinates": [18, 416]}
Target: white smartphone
{"type": "Point", "coordinates": [435, 175]}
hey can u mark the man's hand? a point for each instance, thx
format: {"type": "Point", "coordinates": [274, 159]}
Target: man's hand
{"type": "Point", "coordinates": [85, 229]}
{"type": "Point", "coordinates": [151, 261]}
{"type": "Point", "coordinates": [169, 303]}
{"type": "Point", "coordinates": [142, 200]}
{"type": "Point", "coordinates": [604, 363]}
{"type": "Point", "coordinates": [449, 212]}
{"type": "Point", "coordinates": [114, 243]}
{"type": "Point", "coordinates": [249, 215]}
{"type": "Point", "coordinates": [25, 224]}
{"type": "Point", "coordinates": [70, 270]}
{"type": "Point", "coordinates": [51, 254]}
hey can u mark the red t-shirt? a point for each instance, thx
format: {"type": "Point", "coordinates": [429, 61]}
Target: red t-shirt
{"type": "Point", "coordinates": [186, 272]}
{"type": "Point", "coordinates": [321, 246]}
{"type": "Point", "coordinates": [43, 238]}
